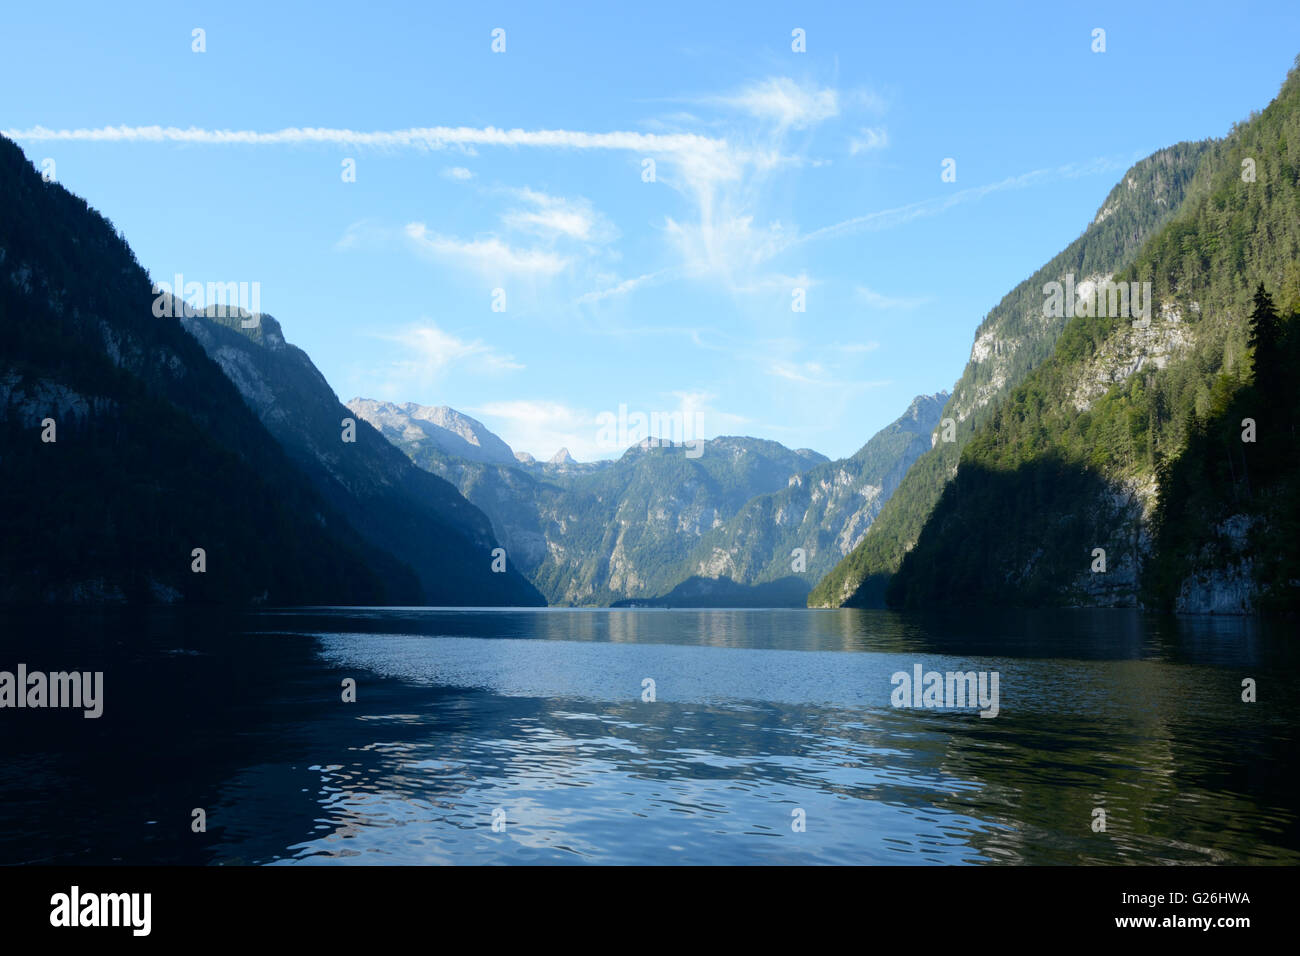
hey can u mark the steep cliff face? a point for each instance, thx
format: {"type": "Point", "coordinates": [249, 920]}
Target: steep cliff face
{"type": "Point", "coordinates": [625, 532]}
{"type": "Point", "coordinates": [440, 426]}
{"type": "Point", "coordinates": [1015, 338]}
{"type": "Point", "coordinates": [131, 469]}
{"type": "Point", "coordinates": [1126, 469]}
{"type": "Point", "coordinates": [800, 532]}
{"type": "Point", "coordinates": [1221, 579]}
{"type": "Point", "coordinates": [598, 533]}
{"type": "Point", "coordinates": [661, 523]}
{"type": "Point", "coordinates": [397, 508]}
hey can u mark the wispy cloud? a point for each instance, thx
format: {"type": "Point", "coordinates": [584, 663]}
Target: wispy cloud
{"type": "Point", "coordinates": [864, 99]}
{"type": "Point", "coordinates": [425, 138]}
{"type": "Point", "coordinates": [870, 138]}
{"type": "Point", "coordinates": [537, 413]}
{"type": "Point", "coordinates": [542, 427]}
{"type": "Point", "coordinates": [729, 243]}
{"type": "Point", "coordinates": [548, 217]}
{"type": "Point", "coordinates": [723, 238]}
{"type": "Point", "coordinates": [428, 352]}
{"type": "Point", "coordinates": [697, 406]}
{"type": "Point", "coordinates": [784, 102]}
{"type": "Point", "coordinates": [361, 233]}
{"type": "Point", "coordinates": [553, 217]}
{"type": "Point", "coordinates": [889, 218]}
{"type": "Point", "coordinates": [878, 301]}
{"type": "Point", "coordinates": [624, 287]}
{"type": "Point", "coordinates": [731, 250]}
{"type": "Point", "coordinates": [815, 374]}
{"type": "Point", "coordinates": [700, 160]}
{"type": "Point", "coordinates": [492, 257]}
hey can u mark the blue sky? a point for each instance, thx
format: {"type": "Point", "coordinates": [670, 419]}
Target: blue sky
{"type": "Point", "coordinates": [775, 171]}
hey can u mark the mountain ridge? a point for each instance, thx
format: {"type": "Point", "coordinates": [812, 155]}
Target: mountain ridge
{"type": "Point", "coordinates": [169, 489]}
{"type": "Point", "coordinates": [575, 530]}
{"type": "Point", "coordinates": [1009, 342]}
{"type": "Point", "coordinates": [397, 507]}
{"type": "Point", "coordinates": [1088, 458]}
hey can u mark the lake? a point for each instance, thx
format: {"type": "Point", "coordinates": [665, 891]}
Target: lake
{"type": "Point", "coordinates": [536, 736]}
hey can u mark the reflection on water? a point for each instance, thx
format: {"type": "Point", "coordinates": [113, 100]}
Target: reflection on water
{"type": "Point", "coordinates": [761, 719]}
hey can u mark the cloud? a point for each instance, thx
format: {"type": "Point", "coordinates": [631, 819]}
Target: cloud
{"type": "Point", "coordinates": [724, 177]}
{"type": "Point", "coordinates": [491, 257]}
{"type": "Point", "coordinates": [361, 233]}
{"type": "Point", "coordinates": [728, 243]}
{"type": "Point", "coordinates": [878, 301]}
{"type": "Point", "coordinates": [697, 407]}
{"type": "Point", "coordinates": [731, 249]}
{"type": "Point", "coordinates": [624, 287]}
{"type": "Point", "coordinates": [553, 217]}
{"type": "Point", "coordinates": [700, 160]}
{"type": "Point", "coordinates": [696, 165]}
{"type": "Point", "coordinates": [423, 138]}
{"type": "Point", "coordinates": [815, 374]}
{"type": "Point", "coordinates": [428, 352]}
{"type": "Point", "coordinates": [543, 427]}
{"type": "Point", "coordinates": [537, 413]}
{"type": "Point", "coordinates": [889, 218]}
{"type": "Point", "coordinates": [809, 373]}
{"type": "Point", "coordinates": [869, 100]}
{"type": "Point", "coordinates": [873, 137]}
{"type": "Point", "coordinates": [785, 103]}
{"type": "Point", "coordinates": [548, 217]}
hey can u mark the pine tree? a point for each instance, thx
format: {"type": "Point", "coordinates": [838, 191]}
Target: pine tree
{"type": "Point", "coordinates": [1265, 339]}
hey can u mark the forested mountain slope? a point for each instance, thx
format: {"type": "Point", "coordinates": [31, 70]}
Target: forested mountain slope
{"type": "Point", "coordinates": [153, 453]}
{"type": "Point", "coordinates": [594, 535]}
{"type": "Point", "coordinates": [398, 508]}
{"type": "Point", "coordinates": [1014, 338]}
{"type": "Point", "coordinates": [1169, 446]}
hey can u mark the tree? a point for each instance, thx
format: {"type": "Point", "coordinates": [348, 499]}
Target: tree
{"type": "Point", "coordinates": [1265, 339]}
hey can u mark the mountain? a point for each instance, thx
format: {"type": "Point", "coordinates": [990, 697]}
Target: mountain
{"type": "Point", "coordinates": [154, 453]}
{"type": "Point", "coordinates": [446, 428]}
{"type": "Point", "coordinates": [560, 465]}
{"type": "Point", "coordinates": [1225, 535]}
{"type": "Point", "coordinates": [398, 508]}
{"type": "Point", "coordinates": [592, 533]}
{"type": "Point", "coordinates": [789, 591]}
{"type": "Point", "coordinates": [825, 511]}
{"type": "Point", "coordinates": [1015, 337]}
{"type": "Point", "coordinates": [626, 529]}
{"type": "Point", "coordinates": [1151, 462]}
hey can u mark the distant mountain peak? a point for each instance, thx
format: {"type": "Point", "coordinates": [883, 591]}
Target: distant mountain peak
{"type": "Point", "coordinates": [923, 404]}
{"type": "Point", "coordinates": [562, 457]}
{"type": "Point", "coordinates": [440, 425]}
{"type": "Point", "coordinates": [262, 328]}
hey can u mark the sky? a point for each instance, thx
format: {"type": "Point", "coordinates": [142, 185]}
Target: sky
{"type": "Point", "coordinates": [623, 210]}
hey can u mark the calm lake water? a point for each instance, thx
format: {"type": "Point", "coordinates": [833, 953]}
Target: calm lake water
{"type": "Point", "coordinates": [762, 720]}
